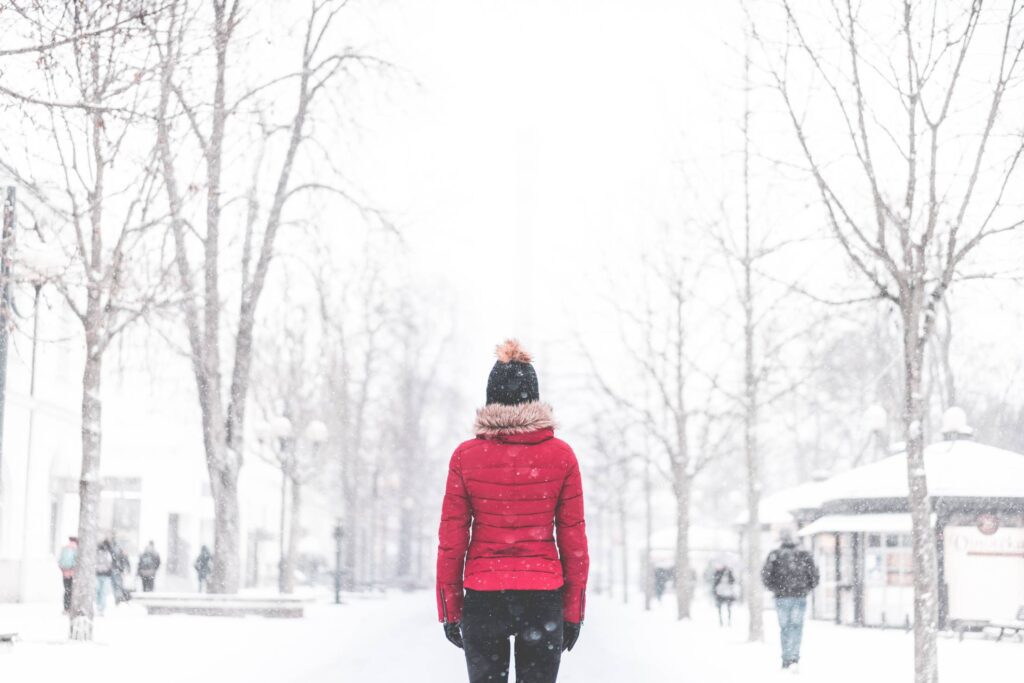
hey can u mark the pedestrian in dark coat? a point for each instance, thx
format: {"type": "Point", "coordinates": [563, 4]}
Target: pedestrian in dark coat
{"type": "Point", "coordinates": [203, 566]}
{"type": "Point", "coordinates": [723, 586]}
{"type": "Point", "coordinates": [104, 572]}
{"type": "Point", "coordinates": [790, 573]}
{"type": "Point", "coordinates": [122, 568]}
{"type": "Point", "coordinates": [149, 563]}
{"type": "Point", "coordinates": [512, 560]}
{"type": "Point", "coordinates": [68, 562]}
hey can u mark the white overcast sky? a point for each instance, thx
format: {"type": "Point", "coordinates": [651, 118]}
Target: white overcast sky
{"type": "Point", "coordinates": [540, 141]}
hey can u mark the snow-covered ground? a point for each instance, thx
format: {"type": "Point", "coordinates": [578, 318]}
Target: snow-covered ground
{"type": "Point", "coordinates": [395, 639]}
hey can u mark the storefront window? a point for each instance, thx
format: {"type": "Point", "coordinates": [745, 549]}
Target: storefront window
{"type": "Point", "coordinates": [888, 579]}
{"type": "Point", "coordinates": [824, 606]}
{"type": "Point", "coordinates": [899, 569]}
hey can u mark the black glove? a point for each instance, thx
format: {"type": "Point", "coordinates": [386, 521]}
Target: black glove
{"type": "Point", "coordinates": [570, 634]}
{"type": "Point", "coordinates": [453, 632]}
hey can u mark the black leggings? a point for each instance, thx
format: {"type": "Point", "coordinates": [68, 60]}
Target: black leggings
{"type": "Point", "coordinates": [534, 618]}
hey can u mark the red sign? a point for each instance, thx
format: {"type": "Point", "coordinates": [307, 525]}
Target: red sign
{"type": "Point", "coordinates": [988, 524]}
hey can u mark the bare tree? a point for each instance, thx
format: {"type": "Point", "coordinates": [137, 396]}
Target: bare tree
{"type": "Point", "coordinates": [417, 356]}
{"type": "Point", "coordinates": [924, 181]}
{"type": "Point", "coordinates": [87, 101]}
{"type": "Point", "coordinates": [199, 254]}
{"type": "Point", "coordinates": [688, 436]}
{"type": "Point", "coordinates": [290, 382]}
{"type": "Point", "coordinates": [355, 321]}
{"type": "Point", "coordinates": [613, 472]}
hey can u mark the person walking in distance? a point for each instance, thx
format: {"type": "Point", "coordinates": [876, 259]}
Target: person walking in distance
{"type": "Point", "coordinates": [790, 573]}
{"type": "Point", "coordinates": [104, 571]}
{"type": "Point", "coordinates": [68, 562]}
{"type": "Point", "coordinates": [203, 566]}
{"type": "Point", "coordinates": [512, 560]}
{"type": "Point", "coordinates": [149, 563]}
{"type": "Point", "coordinates": [122, 567]}
{"type": "Point", "coordinates": [723, 585]}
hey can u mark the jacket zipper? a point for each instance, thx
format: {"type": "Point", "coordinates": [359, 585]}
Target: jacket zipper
{"type": "Point", "coordinates": [583, 604]}
{"type": "Point", "coordinates": [444, 606]}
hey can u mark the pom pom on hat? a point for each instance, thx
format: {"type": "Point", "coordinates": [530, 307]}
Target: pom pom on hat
{"type": "Point", "coordinates": [512, 352]}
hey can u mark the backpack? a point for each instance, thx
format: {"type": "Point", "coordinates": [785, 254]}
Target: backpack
{"type": "Point", "coordinates": [726, 589]}
{"type": "Point", "coordinates": [104, 562]}
{"type": "Point", "coordinates": [68, 558]}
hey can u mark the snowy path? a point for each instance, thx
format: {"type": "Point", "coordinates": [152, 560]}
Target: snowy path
{"type": "Point", "coordinates": [395, 639]}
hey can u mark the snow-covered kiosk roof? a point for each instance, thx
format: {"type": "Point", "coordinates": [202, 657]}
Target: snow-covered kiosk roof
{"type": "Point", "coordinates": [779, 508]}
{"type": "Point", "coordinates": [955, 469]}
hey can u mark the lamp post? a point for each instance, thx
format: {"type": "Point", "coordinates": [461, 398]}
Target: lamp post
{"type": "Point", "coordinates": [280, 429]}
{"type": "Point", "coordinates": [314, 436]}
{"type": "Point", "coordinates": [37, 267]}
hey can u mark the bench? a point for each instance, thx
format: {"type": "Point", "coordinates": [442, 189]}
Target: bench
{"type": "Point", "coordinates": [962, 626]}
{"type": "Point", "coordinates": [1014, 627]}
{"type": "Point", "coordinates": [218, 605]}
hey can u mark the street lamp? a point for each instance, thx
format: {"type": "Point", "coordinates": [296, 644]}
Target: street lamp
{"type": "Point", "coordinates": [316, 433]}
{"type": "Point", "coordinates": [37, 267]}
{"type": "Point", "coordinates": [280, 429]}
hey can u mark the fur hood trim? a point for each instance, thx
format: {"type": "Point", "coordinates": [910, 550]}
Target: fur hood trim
{"type": "Point", "coordinates": [495, 419]}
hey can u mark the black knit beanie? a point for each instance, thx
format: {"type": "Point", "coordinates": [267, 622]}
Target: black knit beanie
{"type": "Point", "coordinates": [513, 380]}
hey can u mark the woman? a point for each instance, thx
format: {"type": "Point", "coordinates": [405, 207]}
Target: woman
{"type": "Point", "coordinates": [516, 491]}
{"type": "Point", "coordinates": [723, 584]}
{"type": "Point", "coordinates": [203, 566]}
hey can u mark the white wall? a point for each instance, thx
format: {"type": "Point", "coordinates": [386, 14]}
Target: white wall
{"type": "Point", "coordinates": [985, 573]}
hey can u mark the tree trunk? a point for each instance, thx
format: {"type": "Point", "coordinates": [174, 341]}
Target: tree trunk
{"type": "Point", "coordinates": [403, 565]}
{"type": "Point", "coordinates": [226, 572]}
{"type": "Point", "coordinates": [925, 584]}
{"type": "Point", "coordinates": [294, 533]}
{"type": "Point", "coordinates": [684, 573]}
{"type": "Point", "coordinates": [84, 588]}
{"type": "Point", "coordinates": [648, 531]}
{"type": "Point", "coordinates": [624, 534]}
{"type": "Point", "coordinates": [754, 589]}
{"type": "Point", "coordinates": [351, 506]}
{"type": "Point", "coordinates": [755, 594]}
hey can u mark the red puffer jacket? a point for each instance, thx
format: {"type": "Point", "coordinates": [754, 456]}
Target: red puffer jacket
{"type": "Point", "coordinates": [513, 487]}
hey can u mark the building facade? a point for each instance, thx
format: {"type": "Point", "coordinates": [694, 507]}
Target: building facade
{"type": "Point", "coordinates": [861, 537]}
{"type": "Point", "coordinates": [154, 479]}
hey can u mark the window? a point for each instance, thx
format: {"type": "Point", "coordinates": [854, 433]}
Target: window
{"type": "Point", "coordinates": [899, 569]}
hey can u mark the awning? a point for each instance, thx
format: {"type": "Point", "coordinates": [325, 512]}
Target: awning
{"type": "Point", "coordinates": [898, 523]}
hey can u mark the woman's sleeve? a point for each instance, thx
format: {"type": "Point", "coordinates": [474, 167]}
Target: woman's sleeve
{"type": "Point", "coordinates": [453, 540]}
{"type": "Point", "coordinates": [572, 544]}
